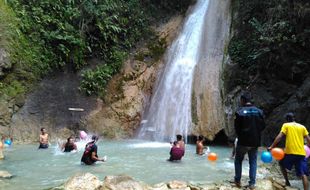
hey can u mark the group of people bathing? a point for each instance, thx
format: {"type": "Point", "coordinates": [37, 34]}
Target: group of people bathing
{"type": "Point", "coordinates": [89, 156]}
{"type": "Point", "coordinates": [249, 124]}
{"type": "Point", "coordinates": [177, 150]}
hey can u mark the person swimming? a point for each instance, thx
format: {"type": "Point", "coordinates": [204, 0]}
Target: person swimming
{"type": "Point", "coordinates": [69, 145]}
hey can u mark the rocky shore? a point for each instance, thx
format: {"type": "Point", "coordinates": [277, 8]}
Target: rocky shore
{"type": "Point", "coordinates": [88, 181]}
{"type": "Point", "coordinates": [268, 178]}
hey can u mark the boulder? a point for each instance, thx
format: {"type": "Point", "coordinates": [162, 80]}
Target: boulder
{"type": "Point", "coordinates": [5, 63]}
{"type": "Point", "coordinates": [178, 185]}
{"type": "Point", "coordinates": [84, 181]}
{"type": "Point", "coordinates": [122, 182]}
{"type": "Point", "coordinates": [264, 185]}
{"type": "Point", "coordinates": [5, 174]}
{"type": "Point", "coordinates": [218, 187]}
{"type": "Point", "coordinates": [5, 112]}
{"type": "Point", "coordinates": [159, 186]}
{"type": "Point", "coordinates": [194, 187]}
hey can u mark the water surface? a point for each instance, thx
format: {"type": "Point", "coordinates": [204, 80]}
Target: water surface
{"type": "Point", "coordinates": [145, 161]}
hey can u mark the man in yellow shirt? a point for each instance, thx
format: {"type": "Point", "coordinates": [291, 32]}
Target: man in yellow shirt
{"type": "Point", "coordinates": [295, 134]}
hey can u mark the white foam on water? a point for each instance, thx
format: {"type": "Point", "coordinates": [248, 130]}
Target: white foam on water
{"type": "Point", "coordinates": [80, 145]}
{"type": "Point", "coordinates": [149, 145]}
{"type": "Point", "coordinates": [170, 108]}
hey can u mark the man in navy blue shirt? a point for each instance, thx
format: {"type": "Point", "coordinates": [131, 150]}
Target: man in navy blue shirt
{"type": "Point", "coordinates": [249, 123]}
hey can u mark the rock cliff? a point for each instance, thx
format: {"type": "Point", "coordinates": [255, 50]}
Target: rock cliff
{"type": "Point", "coordinates": [117, 115]}
{"type": "Point", "coordinates": [207, 109]}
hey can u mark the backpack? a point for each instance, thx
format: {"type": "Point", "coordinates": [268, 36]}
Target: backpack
{"type": "Point", "coordinates": [88, 149]}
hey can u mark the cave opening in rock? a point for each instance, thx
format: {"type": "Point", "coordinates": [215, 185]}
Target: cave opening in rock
{"type": "Point", "coordinates": [220, 139]}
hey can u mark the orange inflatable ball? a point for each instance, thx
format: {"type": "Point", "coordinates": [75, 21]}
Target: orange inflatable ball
{"type": "Point", "coordinates": [212, 156]}
{"type": "Point", "coordinates": [277, 153]}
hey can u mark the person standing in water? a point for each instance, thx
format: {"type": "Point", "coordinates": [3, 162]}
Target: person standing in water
{"type": "Point", "coordinates": [1, 148]}
{"type": "Point", "coordinates": [69, 145]}
{"type": "Point", "coordinates": [249, 123]}
{"type": "Point", "coordinates": [200, 148]}
{"type": "Point", "coordinates": [178, 149]}
{"type": "Point", "coordinates": [180, 141]}
{"type": "Point", "coordinates": [90, 154]}
{"type": "Point", "coordinates": [43, 139]}
{"type": "Point", "coordinates": [176, 152]}
{"type": "Point", "coordinates": [295, 153]}
{"type": "Point", "coordinates": [199, 145]}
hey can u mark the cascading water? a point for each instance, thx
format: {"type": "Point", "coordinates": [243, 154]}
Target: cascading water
{"type": "Point", "coordinates": [170, 108]}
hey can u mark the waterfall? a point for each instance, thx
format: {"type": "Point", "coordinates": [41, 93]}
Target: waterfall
{"type": "Point", "coordinates": [170, 110]}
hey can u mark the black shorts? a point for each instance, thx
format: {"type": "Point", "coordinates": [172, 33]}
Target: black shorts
{"type": "Point", "coordinates": [43, 146]}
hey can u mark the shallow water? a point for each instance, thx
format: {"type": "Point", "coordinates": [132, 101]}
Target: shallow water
{"type": "Point", "coordinates": [145, 161]}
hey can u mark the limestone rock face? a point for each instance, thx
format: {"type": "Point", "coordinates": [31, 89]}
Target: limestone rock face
{"type": "Point", "coordinates": [297, 102]}
{"type": "Point", "coordinates": [117, 116]}
{"type": "Point", "coordinates": [5, 113]}
{"type": "Point", "coordinates": [122, 182]}
{"type": "Point", "coordinates": [4, 61]}
{"type": "Point", "coordinates": [181, 185]}
{"type": "Point", "coordinates": [275, 101]}
{"type": "Point", "coordinates": [120, 113]}
{"type": "Point", "coordinates": [86, 181]}
{"type": "Point", "coordinates": [129, 92]}
{"type": "Point", "coordinates": [48, 107]}
{"type": "Point", "coordinates": [207, 110]}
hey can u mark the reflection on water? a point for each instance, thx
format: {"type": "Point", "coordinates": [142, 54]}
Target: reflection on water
{"type": "Point", "coordinates": [145, 161]}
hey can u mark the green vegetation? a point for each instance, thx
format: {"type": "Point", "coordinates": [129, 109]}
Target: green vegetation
{"type": "Point", "coordinates": [72, 30]}
{"type": "Point", "coordinates": [272, 37]}
{"type": "Point", "coordinates": [155, 49]}
{"type": "Point", "coordinates": [96, 80]}
{"type": "Point", "coordinates": [24, 56]}
{"type": "Point", "coordinates": [164, 8]}
{"type": "Point", "coordinates": [48, 34]}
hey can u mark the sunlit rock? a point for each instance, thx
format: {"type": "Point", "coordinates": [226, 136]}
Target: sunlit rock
{"type": "Point", "coordinates": [130, 92]}
{"type": "Point", "coordinates": [85, 181]}
{"type": "Point", "coordinates": [264, 185]}
{"type": "Point", "coordinates": [178, 185]}
{"type": "Point", "coordinates": [122, 182]}
{"type": "Point", "coordinates": [5, 174]}
{"type": "Point", "coordinates": [207, 109]}
{"type": "Point", "coordinates": [159, 186]}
